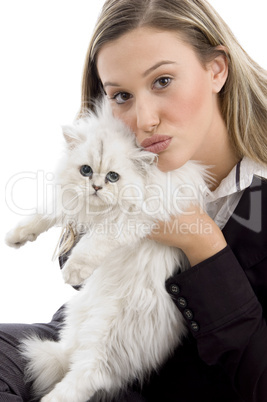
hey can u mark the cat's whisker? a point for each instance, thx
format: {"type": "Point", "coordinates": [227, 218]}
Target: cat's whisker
{"type": "Point", "coordinates": [70, 201]}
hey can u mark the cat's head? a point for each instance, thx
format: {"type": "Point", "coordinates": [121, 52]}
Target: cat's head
{"type": "Point", "coordinates": [103, 168]}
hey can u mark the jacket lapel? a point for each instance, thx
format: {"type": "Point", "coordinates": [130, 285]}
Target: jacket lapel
{"type": "Point", "coordinates": [246, 230]}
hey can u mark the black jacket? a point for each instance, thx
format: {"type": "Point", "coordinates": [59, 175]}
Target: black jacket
{"type": "Point", "coordinates": [224, 299]}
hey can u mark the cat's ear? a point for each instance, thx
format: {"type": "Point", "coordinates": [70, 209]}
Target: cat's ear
{"type": "Point", "coordinates": [72, 138]}
{"type": "Point", "coordinates": [143, 159]}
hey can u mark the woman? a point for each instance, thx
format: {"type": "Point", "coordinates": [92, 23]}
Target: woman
{"type": "Point", "coordinates": [176, 75]}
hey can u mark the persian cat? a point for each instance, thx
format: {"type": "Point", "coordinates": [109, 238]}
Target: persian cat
{"type": "Point", "coordinates": [122, 324]}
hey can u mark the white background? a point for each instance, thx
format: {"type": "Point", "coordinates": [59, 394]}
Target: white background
{"type": "Point", "coordinates": [43, 47]}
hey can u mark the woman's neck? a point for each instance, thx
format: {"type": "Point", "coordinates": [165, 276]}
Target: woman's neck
{"type": "Point", "coordinates": [220, 154]}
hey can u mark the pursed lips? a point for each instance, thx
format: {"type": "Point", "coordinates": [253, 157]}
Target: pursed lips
{"type": "Point", "coordinates": [157, 143]}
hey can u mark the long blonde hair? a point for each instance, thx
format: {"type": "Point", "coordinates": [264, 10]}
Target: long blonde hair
{"type": "Point", "coordinates": [243, 97]}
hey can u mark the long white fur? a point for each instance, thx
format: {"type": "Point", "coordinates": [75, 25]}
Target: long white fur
{"type": "Point", "coordinates": [122, 324]}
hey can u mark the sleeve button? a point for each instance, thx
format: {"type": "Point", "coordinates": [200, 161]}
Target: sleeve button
{"type": "Point", "coordinates": [194, 326]}
{"type": "Point", "coordinates": [174, 289]}
{"type": "Point", "coordinates": [188, 314]}
{"type": "Point", "coordinates": [182, 302]}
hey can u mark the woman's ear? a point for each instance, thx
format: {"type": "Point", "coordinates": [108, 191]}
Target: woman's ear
{"type": "Point", "coordinates": [219, 69]}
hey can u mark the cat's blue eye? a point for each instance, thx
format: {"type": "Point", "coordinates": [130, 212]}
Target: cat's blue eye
{"type": "Point", "coordinates": [112, 177]}
{"type": "Point", "coordinates": [86, 171]}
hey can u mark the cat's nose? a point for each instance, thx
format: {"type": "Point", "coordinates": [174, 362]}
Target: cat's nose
{"type": "Point", "coordinates": [96, 188]}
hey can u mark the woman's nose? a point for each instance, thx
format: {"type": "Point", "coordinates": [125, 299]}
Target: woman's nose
{"type": "Point", "coordinates": [147, 116]}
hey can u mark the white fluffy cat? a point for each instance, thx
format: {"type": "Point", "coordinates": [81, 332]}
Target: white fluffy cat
{"type": "Point", "coordinates": [122, 323]}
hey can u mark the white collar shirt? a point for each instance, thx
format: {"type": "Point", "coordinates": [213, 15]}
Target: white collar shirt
{"type": "Point", "coordinates": [221, 203]}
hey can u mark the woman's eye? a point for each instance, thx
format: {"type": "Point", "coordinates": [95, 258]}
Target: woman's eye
{"type": "Point", "coordinates": [162, 82]}
{"type": "Point", "coordinates": [122, 97]}
{"type": "Point", "coordinates": [112, 177]}
{"type": "Point", "coordinates": [86, 171]}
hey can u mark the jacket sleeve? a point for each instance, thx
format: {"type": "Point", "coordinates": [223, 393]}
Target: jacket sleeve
{"type": "Point", "coordinates": [226, 319]}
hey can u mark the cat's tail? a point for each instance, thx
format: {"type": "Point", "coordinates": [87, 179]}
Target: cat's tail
{"type": "Point", "coordinates": [46, 363]}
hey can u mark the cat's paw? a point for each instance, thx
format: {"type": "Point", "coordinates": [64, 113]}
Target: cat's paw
{"type": "Point", "coordinates": [18, 236]}
{"type": "Point", "coordinates": [51, 397]}
{"type": "Point", "coordinates": [75, 273]}
{"type": "Point", "coordinates": [64, 396]}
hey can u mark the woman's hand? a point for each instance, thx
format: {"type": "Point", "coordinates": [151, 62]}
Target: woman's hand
{"type": "Point", "coordinates": [194, 232]}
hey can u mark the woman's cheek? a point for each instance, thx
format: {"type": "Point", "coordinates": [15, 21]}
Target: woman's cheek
{"type": "Point", "coordinates": [121, 113]}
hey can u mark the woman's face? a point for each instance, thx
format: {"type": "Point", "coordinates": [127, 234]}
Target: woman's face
{"type": "Point", "coordinates": [158, 87]}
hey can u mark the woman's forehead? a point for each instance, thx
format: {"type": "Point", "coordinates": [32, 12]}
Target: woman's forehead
{"type": "Point", "coordinates": [143, 49]}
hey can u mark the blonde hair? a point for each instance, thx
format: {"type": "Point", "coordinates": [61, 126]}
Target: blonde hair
{"type": "Point", "coordinates": [243, 97]}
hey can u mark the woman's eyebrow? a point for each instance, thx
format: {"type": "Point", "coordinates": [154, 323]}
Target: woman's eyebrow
{"type": "Point", "coordinates": [157, 65]}
{"type": "Point", "coordinates": [110, 84]}
{"type": "Point", "coordinates": [147, 72]}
